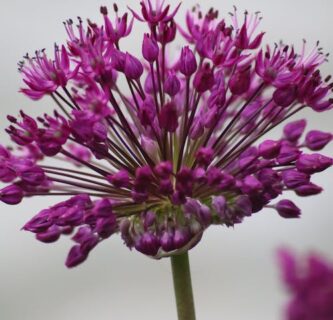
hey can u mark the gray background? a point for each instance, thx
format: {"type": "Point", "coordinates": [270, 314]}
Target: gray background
{"type": "Point", "coordinates": [234, 270]}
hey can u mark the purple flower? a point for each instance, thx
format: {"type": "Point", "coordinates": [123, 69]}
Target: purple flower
{"type": "Point", "coordinates": [44, 76]}
{"type": "Point", "coordinates": [158, 149]}
{"type": "Point", "coordinates": [309, 282]}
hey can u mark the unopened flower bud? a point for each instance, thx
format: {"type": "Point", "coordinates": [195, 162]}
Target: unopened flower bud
{"type": "Point", "coordinates": [312, 163]}
{"type": "Point", "coordinates": [103, 208]}
{"type": "Point", "coordinates": [269, 149]}
{"type": "Point", "coordinates": [11, 194]}
{"type": "Point", "coordinates": [167, 241]}
{"type": "Point", "coordinates": [75, 257]}
{"type": "Point", "coordinates": [50, 235]}
{"type": "Point", "coordinates": [293, 130]}
{"type": "Point", "coordinates": [205, 156]}
{"type": "Point", "coordinates": [166, 187]}
{"type": "Point", "coordinates": [309, 189]}
{"type": "Point", "coordinates": [133, 68]}
{"type": "Point", "coordinates": [316, 140]}
{"type": "Point", "coordinates": [171, 85]}
{"type": "Point", "coordinates": [219, 205]}
{"type": "Point", "coordinates": [203, 79]}
{"type": "Point", "coordinates": [105, 227]}
{"type": "Point", "coordinates": [149, 49]}
{"type": "Point", "coordinates": [34, 175]}
{"type": "Point", "coordinates": [284, 97]}
{"type": "Point", "coordinates": [119, 179]}
{"type": "Point", "coordinates": [293, 178]}
{"type": "Point", "coordinates": [149, 219]}
{"type": "Point", "coordinates": [181, 237]}
{"type": "Point", "coordinates": [163, 169]}
{"type": "Point", "coordinates": [287, 209]}
{"type": "Point", "coordinates": [169, 117]}
{"type": "Point", "coordinates": [240, 82]}
{"type": "Point", "coordinates": [147, 244]}
{"type": "Point", "coordinates": [187, 63]}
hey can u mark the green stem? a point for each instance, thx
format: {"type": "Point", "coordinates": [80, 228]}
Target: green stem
{"type": "Point", "coordinates": [183, 286]}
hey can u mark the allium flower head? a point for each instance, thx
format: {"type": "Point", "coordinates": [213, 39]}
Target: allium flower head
{"type": "Point", "coordinates": [164, 143]}
{"type": "Point", "coordinates": [310, 282]}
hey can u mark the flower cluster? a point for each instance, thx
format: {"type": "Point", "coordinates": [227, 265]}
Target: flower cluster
{"type": "Point", "coordinates": [179, 145]}
{"type": "Point", "coordinates": [310, 284]}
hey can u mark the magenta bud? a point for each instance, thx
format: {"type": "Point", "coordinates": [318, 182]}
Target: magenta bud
{"type": "Point", "coordinates": [269, 149]}
{"type": "Point", "coordinates": [284, 97]}
{"type": "Point", "coordinates": [171, 85]}
{"type": "Point", "coordinates": [119, 179]}
{"type": "Point", "coordinates": [149, 219]}
{"type": "Point", "coordinates": [293, 178]}
{"type": "Point", "coordinates": [143, 174]}
{"type": "Point", "coordinates": [103, 208]}
{"type": "Point", "coordinates": [149, 48]}
{"type": "Point", "coordinates": [163, 169]}
{"type": "Point", "coordinates": [168, 117]}
{"type": "Point", "coordinates": [227, 181]}
{"type": "Point", "coordinates": [243, 206]}
{"type": "Point", "coordinates": [251, 184]}
{"type": "Point", "coordinates": [118, 60]}
{"type": "Point", "coordinates": [40, 222]}
{"type": "Point", "coordinates": [197, 128]}
{"type": "Point", "coordinates": [11, 194]}
{"type": "Point", "coordinates": [293, 130]}
{"type": "Point", "coordinates": [204, 79]}
{"type": "Point", "coordinates": [205, 215]}
{"type": "Point", "coordinates": [52, 234]}
{"type": "Point", "coordinates": [178, 198]}
{"type": "Point", "coordinates": [147, 244]}
{"type": "Point", "coordinates": [181, 237]}
{"type": "Point", "coordinates": [187, 63]}
{"type": "Point", "coordinates": [219, 204]}
{"type": "Point", "coordinates": [240, 82]}
{"type": "Point", "coordinates": [288, 154]}
{"type": "Point", "coordinates": [210, 117]}
{"type": "Point", "coordinates": [167, 241]}
{"type": "Point", "coordinates": [148, 85]}
{"type": "Point", "coordinates": [34, 175]}
{"type": "Point", "coordinates": [139, 197]}
{"type": "Point", "coordinates": [100, 131]}
{"type": "Point", "coordinates": [150, 145]}
{"type": "Point", "coordinates": [166, 187]}
{"type": "Point", "coordinates": [88, 243]}
{"type": "Point", "coordinates": [287, 209]}
{"type": "Point", "coordinates": [147, 112]}
{"type": "Point", "coordinates": [105, 227]}
{"type": "Point", "coordinates": [192, 207]}
{"type": "Point", "coordinates": [82, 234]}
{"type": "Point", "coordinates": [73, 216]}
{"type": "Point", "coordinates": [309, 189]}
{"type": "Point", "coordinates": [312, 163]}
{"type": "Point", "coordinates": [205, 156]}
{"type": "Point", "coordinates": [316, 140]}
{"type": "Point", "coordinates": [133, 68]}
{"type": "Point", "coordinates": [214, 176]}
{"type": "Point", "coordinates": [199, 175]}
{"type": "Point", "coordinates": [75, 257]}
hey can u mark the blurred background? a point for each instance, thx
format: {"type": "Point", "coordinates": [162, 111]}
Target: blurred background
{"type": "Point", "coordinates": [234, 271]}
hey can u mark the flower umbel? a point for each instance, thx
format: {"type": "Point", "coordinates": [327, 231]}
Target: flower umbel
{"type": "Point", "coordinates": [310, 283]}
{"type": "Point", "coordinates": [181, 148]}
